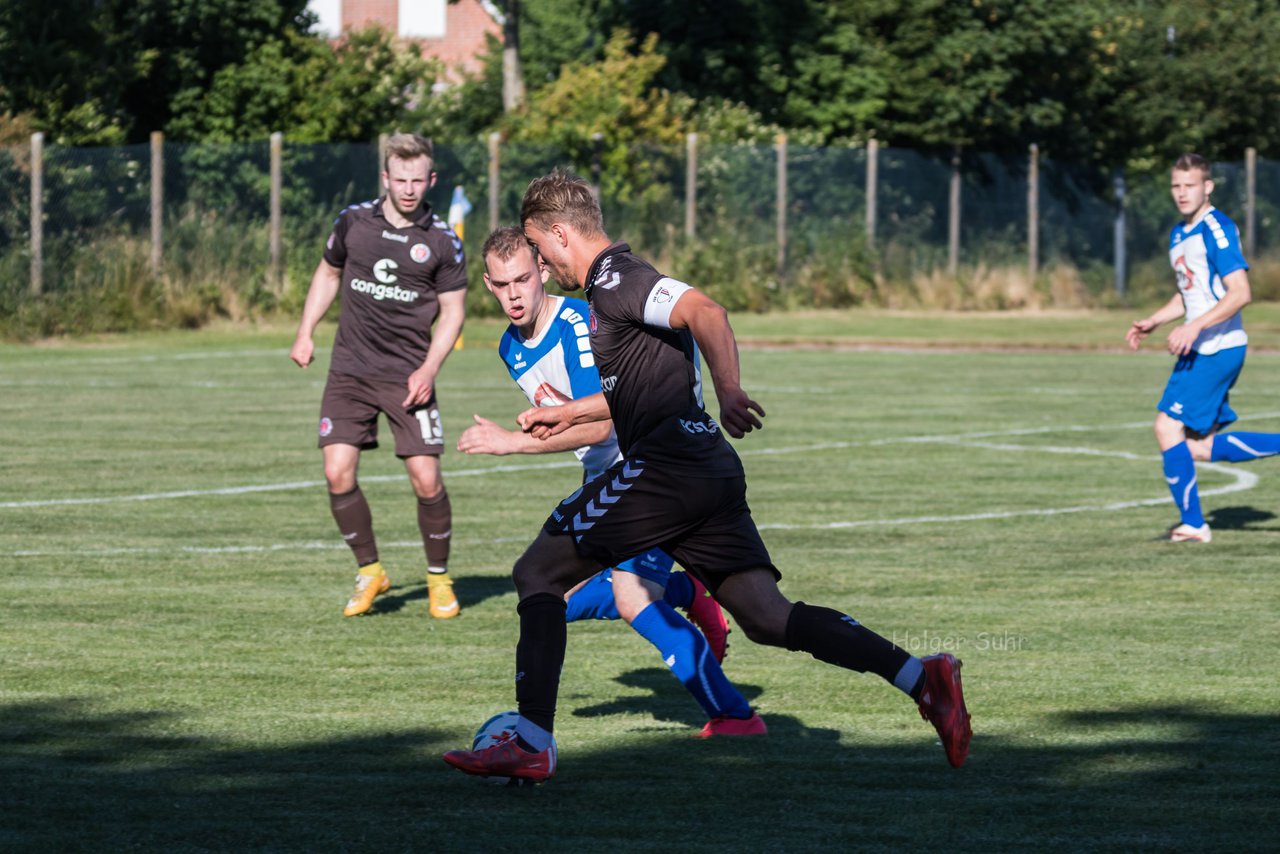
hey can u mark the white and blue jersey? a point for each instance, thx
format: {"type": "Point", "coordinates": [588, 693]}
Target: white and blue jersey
{"type": "Point", "coordinates": [556, 366]}
{"type": "Point", "coordinates": [1202, 254]}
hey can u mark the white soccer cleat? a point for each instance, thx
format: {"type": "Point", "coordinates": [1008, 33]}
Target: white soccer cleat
{"type": "Point", "coordinates": [1185, 533]}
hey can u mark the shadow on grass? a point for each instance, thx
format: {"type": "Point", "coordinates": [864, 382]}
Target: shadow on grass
{"type": "Point", "coordinates": [666, 701]}
{"type": "Point", "coordinates": [77, 777]}
{"type": "Point", "coordinates": [471, 591]}
{"type": "Point", "coordinates": [1241, 519]}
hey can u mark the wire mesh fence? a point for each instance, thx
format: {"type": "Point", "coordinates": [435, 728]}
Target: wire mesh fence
{"type": "Point", "coordinates": [899, 214]}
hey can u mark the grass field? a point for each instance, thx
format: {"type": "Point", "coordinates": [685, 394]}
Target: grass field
{"type": "Point", "coordinates": [175, 675]}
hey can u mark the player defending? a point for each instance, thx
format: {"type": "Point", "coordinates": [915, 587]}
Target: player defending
{"type": "Point", "coordinates": [680, 486]}
{"type": "Point", "coordinates": [400, 269]}
{"type": "Point", "coordinates": [547, 351]}
{"type": "Point", "coordinates": [1213, 287]}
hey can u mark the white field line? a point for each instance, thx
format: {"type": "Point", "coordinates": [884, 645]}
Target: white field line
{"type": "Point", "coordinates": [954, 438]}
{"type": "Point", "coordinates": [1242, 480]}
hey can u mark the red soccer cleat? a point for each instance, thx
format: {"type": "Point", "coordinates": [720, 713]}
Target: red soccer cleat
{"type": "Point", "coordinates": [505, 759]}
{"type": "Point", "coordinates": [704, 612]}
{"type": "Point", "coordinates": [722, 725]}
{"type": "Point", "coordinates": [942, 704]}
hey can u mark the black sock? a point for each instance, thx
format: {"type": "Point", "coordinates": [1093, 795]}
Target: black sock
{"type": "Point", "coordinates": [539, 657]}
{"type": "Point", "coordinates": [839, 639]}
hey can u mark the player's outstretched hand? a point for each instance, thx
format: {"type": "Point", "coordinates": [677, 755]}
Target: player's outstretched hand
{"type": "Point", "coordinates": [1138, 330]}
{"type": "Point", "coordinates": [736, 414]}
{"type": "Point", "coordinates": [485, 437]}
{"type": "Point", "coordinates": [543, 422]}
{"type": "Point", "coordinates": [303, 352]}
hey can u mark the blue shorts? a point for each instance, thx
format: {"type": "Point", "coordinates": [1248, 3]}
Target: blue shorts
{"type": "Point", "coordinates": [1197, 390]}
{"type": "Point", "coordinates": [654, 565]}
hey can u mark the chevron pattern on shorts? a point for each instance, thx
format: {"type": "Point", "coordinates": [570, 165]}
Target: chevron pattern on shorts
{"type": "Point", "coordinates": [598, 505]}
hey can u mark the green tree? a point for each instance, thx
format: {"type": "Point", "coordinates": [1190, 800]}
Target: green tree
{"type": "Point", "coordinates": [98, 72]}
{"type": "Point", "coordinates": [310, 90]}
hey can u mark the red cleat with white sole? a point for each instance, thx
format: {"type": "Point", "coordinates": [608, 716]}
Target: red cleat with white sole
{"type": "Point", "coordinates": [506, 759]}
{"type": "Point", "coordinates": [942, 704]}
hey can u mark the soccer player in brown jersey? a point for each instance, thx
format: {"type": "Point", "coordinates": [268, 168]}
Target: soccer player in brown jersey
{"type": "Point", "coordinates": [403, 280]}
{"type": "Point", "coordinates": [680, 486]}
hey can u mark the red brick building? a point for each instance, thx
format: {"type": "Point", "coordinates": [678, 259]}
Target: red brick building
{"type": "Point", "coordinates": [454, 33]}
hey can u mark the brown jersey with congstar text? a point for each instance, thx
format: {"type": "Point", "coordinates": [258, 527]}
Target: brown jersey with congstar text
{"type": "Point", "coordinates": [390, 281]}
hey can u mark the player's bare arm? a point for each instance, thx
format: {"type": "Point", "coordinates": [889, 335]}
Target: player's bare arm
{"type": "Point", "coordinates": [1237, 297]}
{"type": "Point", "coordinates": [324, 287]}
{"type": "Point", "coordinates": [543, 422]}
{"type": "Point", "coordinates": [448, 326]}
{"type": "Point", "coordinates": [709, 323]}
{"type": "Point", "coordinates": [1139, 329]}
{"type": "Point", "coordinates": [487, 437]}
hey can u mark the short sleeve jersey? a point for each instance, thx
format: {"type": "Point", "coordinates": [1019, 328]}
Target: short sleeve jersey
{"type": "Point", "coordinates": [556, 366]}
{"type": "Point", "coordinates": [1201, 255]}
{"type": "Point", "coordinates": [391, 279]}
{"type": "Point", "coordinates": [649, 372]}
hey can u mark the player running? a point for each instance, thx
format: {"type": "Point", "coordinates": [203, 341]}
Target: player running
{"type": "Point", "coordinates": [400, 269]}
{"type": "Point", "coordinates": [680, 486]}
{"type": "Point", "coordinates": [1213, 287]}
{"type": "Point", "coordinates": [547, 351]}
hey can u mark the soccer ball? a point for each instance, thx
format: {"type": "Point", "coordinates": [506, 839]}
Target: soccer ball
{"type": "Point", "coordinates": [496, 730]}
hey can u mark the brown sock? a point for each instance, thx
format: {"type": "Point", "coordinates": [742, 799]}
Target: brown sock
{"type": "Point", "coordinates": [355, 523]}
{"type": "Point", "coordinates": [435, 521]}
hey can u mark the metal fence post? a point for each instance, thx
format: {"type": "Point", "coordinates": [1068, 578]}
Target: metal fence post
{"type": "Point", "coordinates": [780, 145]}
{"type": "Point", "coordinates": [953, 217]}
{"type": "Point", "coordinates": [157, 202]}
{"type": "Point", "coordinates": [691, 185]}
{"type": "Point", "coordinates": [495, 187]}
{"type": "Point", "coordinates": [1033, 212]}
{"type": "Point", "coordinates": [873, 173]}
{"type": "Point", "coordinates": [1250, 200]}
{"type": "Point", "coordinates": [37, 213]}
{"type": "Point", "coordinates": [277, 182]}
{"type": "Point", "coordinates": [1119, 232]}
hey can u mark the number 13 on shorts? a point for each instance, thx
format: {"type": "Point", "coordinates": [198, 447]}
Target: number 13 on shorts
{"type": "Point", "coordinates": [429, 420]}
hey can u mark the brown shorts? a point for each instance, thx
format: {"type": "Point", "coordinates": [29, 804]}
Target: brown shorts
{"type": "Point", "coordinates": [349, 416]}
{"type": "Point", "coordinates": [704, 523]}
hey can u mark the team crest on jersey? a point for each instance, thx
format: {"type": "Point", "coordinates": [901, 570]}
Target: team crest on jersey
{"type": "Point", "coordinates": [591, 318]}
{"type": "Point", "coordinates": [419, 252]}
{"type": "Point", "coordinates": [326, 426]}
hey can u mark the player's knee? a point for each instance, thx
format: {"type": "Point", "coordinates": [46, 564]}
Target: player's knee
{"type": "Point", "coordinates": [340, 479]}
{"type": "Point", "coordinates": [762, 628]}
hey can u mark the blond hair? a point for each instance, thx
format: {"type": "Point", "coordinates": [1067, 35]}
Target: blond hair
{"type": "Point", "coordinates": [407, 146]}
{"type": "Point", "coordinates": [562, 197]}
{"type": "Point", "coordinates": [505, 243]}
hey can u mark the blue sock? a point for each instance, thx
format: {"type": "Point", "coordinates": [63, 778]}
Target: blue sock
{"type": "Point", "coordinates": [1180, 473]}
{"type": "Point", "coordinates": [1244, 447]}
{"type": "Point", "coordinates": [594, 601]}
{"type": "Point", "coordinates": [685, 651]}
{"type": "Point", "coordinates": [679, 590]}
